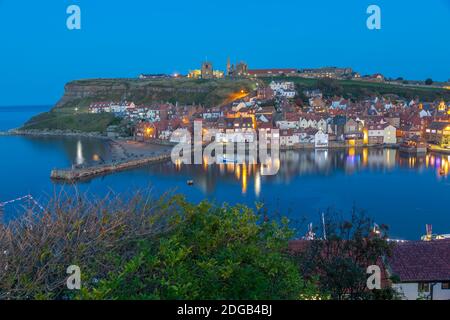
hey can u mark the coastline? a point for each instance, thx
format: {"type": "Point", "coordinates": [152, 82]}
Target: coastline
{"type": "Point", "coordinates": [54, 133]}
{"type": "Point", "coordinates": [126, 153]}
{"type": "Point", "coordinates": [123, 152]}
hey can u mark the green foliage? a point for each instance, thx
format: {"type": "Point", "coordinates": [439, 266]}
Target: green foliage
{"type": "Point", "coordinates": [169, 248]}
{"type": "Point", "coordinates": [330, 87]}
{"type": "Point", "coordinates": [211, 253]}
{"type": "Point", "coordinates": [83, 122]}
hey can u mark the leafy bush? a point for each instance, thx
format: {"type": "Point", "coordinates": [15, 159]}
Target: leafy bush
{"type": "Point", "coordinates": [148, 249]}
{"type": "Point", "coordinates": [210, 253]}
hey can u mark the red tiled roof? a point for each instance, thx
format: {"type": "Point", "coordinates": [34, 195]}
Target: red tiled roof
{"type": "Point", "coordinates": [379, 126]}
{"type": "Point", "coordinates": [290, 116]}
{"type": "Point", "coordinates": [421, 261]}
{"type": "Point", "coordinates": [265, 125]}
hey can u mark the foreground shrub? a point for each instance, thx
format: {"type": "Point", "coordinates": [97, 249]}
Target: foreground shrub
{"type": "Point", "coordinates": [36, 249]}
{"type": "Point", "coordinates": [148, 249]}
{"type": "Point", "coordinates": [210, 253]}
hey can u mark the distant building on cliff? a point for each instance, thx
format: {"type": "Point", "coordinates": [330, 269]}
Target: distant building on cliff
{"type": "Point", "coordinates": [272, 72]}
{"type": "Point", "coordinates": [240, 69]}
{"type": "Point", "coordinates": [206, 72]}
{"type": "Point", "coordinates": [326, 72]}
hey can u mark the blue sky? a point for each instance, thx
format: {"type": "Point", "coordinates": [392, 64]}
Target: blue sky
{"type": "Point", "coordinates": [38, 54]}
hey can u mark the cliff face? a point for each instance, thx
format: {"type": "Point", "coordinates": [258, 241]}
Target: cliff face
{"type": "Point", "coordinates": [185, 91]}
{"type": "Point", "coordinates": [76, 91]}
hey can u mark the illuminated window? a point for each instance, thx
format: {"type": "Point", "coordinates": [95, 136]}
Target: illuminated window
{"type": "Point", "coordinates": [446, 285]}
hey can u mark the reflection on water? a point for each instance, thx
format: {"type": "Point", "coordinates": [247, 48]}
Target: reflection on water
{"type": "Point", "coordinates": [78, 151]}
{"type": "Point", "coordinates": [404, 191]}
{"type": "Point", "coordinates": [297, 163]}
{"type": "Point", "coordinates": [79, 159]}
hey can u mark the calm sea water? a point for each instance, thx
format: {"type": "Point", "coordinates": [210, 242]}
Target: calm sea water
{"type": "Point", "coordinates": [403, 192]}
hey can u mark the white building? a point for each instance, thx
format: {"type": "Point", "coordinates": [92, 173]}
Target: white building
{"type": "Point", "coordinates": [382, 134]}
{"type": "Point", "coordinates": [180, 136]}
{"type": "Point", "coordinates": [422, 269]}
{"type": "Point", "coordinates": [313, 122]}
{"type": "Point", "coordinates": [288, 138]}
{"type": "Point", "coordinates": [424, 113]}
{"type": "Point", "coordinates": [214, 113]}
{"type": "Point", "coordinates": [287, 124]}
{"type": "Point", "coordinates": [339, 104]}
{"type": "Point", "coordinates": [235, 137]}
{"type": "Point", "coordinates": [321, 139]}
{"type": "Point", "coordinates": [286, 94]}
{"type": "Point", "coordinates": [118, 108]}
{"type": "Point", "coordinates": [390, 134]}
{"type": "Point", "coordinates": [282, 85]}
{"type": "Point", "coordinates": [283, 89]}
{"type": "Point", "coordinates": [100, 107]}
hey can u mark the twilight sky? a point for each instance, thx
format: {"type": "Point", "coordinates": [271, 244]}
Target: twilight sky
{"type": "Point", "coordinates": [38, 54]}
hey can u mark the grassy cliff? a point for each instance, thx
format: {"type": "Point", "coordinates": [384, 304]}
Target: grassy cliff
{"type": "Point", "coordinates": [81, 93]}
{"type": "Point", "coordinates": [70, 113]}
{"type": "Point", "coordinates": [83, 122]}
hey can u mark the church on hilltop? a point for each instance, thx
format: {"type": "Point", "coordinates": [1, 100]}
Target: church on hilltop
{"type": "Point", "coordinates": [206, 72]}
{"type": "Point", "coordinates": [240, 69]}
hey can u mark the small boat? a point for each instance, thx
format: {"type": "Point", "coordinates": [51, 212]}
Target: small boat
{"type": "Point", "coordinates": [413, 146]}
{"type": "Point", "coordinates": [435, 237]}
{"type": "Point", "coordinates": [430, 236]}
{"type": "Point", "coordinates": [226, 160]}
{"type": "Point", "coordinates": [442, 172]}
{"type": "Point", "coordinates": [190, 182]}
{"type": "Point", "coordinates": [310, 235]}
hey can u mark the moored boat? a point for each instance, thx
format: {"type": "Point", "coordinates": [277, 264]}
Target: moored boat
{"type": "Point", "coordinates": [413, 146]}
{"type": "Point", "coordinates": [432, 237]}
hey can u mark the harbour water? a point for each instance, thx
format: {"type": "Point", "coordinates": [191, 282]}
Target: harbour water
{"type": "Point", "coordinates": [405, 192]}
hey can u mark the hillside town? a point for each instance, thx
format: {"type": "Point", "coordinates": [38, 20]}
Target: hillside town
{"type": "Point", "coordinates": [304, 118]}
{"type": "Point", "coordinates": [316, 117]}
